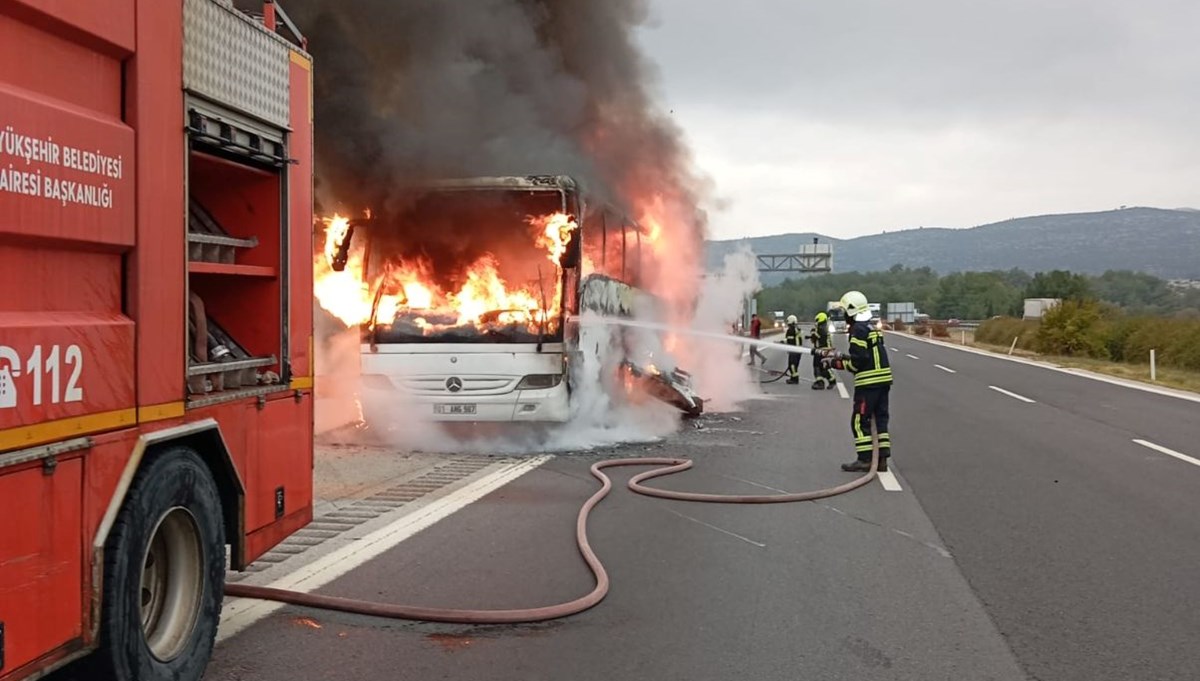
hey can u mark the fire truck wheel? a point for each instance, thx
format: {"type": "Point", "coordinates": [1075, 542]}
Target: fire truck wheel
{"type": "Point", "coordinates": [164, 572]}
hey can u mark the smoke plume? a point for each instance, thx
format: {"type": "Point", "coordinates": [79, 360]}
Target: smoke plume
{"type": "Point", "coordinates": [423, 89]}
{"type": "Point", "coordinates": [415, 90]}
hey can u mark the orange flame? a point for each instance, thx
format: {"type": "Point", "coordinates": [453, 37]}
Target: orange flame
{"type": "Point", "coordinates": [408, 286]}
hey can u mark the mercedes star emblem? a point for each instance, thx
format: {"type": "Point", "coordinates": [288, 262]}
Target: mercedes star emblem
{"type": "Point", "coordinates": [454, 384]}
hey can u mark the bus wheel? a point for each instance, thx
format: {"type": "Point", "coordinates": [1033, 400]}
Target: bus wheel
{"type": "Point", "coordinates": [164, 572]}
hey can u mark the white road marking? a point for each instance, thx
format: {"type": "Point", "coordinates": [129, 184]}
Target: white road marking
{"type": "Point", "coordinates": [238, 614]}
{"type": "Point", "coordinates": [894, 349]}
{"type": "Point", "coordinates": [911, 356]}
{"type": "Point", "coordinates": [946, 369]}
{"type": "Point", "coordinates": [1012, 394]}
{"type": "Point", "coordinates": [842, 391]}
{"type": "Point", "coordinates": [888, 479]}
{"type": "Point", "coordinates": [714, 527]}
{"type": "Point", "coordinates": [1169, 452]}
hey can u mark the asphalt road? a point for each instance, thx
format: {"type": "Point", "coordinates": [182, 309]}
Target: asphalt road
{"type": "Point", "coordinates": [1029, 540]}
{"type": "Point", "coordinates": [1083, 545]}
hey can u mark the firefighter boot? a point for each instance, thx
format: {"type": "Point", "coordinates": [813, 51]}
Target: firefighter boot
{"type": "Point", "coordinates": [819, 384]}
{"type": "Point", "coordinates": [793, 380]}
{"type": "Point", "coordinates": [860, 466]}
{"type": "Point", "coordinates": [832, 382]}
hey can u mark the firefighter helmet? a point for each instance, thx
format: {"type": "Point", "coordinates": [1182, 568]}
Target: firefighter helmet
{"type": "Point", "coordinates": [791, 319]}
{"type": "Point", "coordinates": [855, 304]}
{"type": "Point", "coordinates": [821, 318]}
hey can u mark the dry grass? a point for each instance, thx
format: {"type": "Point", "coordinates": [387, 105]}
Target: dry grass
{"type": "Point", "coordinates": [1167, 377]}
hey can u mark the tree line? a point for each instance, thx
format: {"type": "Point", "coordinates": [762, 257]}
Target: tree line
{"type": "Point", "coordinates": [982, 295]}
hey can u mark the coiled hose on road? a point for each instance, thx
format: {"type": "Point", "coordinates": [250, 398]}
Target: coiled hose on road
{"type": "Point", "coordinates": [550, 612]}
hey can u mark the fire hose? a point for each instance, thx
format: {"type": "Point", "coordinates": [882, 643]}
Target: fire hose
{"type": "Point", "coordinates": [666, 466]}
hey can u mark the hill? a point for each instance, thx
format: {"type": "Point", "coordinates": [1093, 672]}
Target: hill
{"type": "Point", "coordinates": [1165, 243]}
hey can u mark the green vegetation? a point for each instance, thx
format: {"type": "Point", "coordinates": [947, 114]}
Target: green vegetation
{"type": "Point", "coordinates": [1093, 331]}
{"type": "Point", "coordinates": [982, 295]}
{"type": "Point", "coordinates": [1003, 330]}
{"type": "Point", "coordinates": [1107, 323]}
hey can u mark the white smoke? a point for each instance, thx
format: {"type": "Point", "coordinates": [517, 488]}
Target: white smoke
{"type": "Point", "coordinates": [716, 366]}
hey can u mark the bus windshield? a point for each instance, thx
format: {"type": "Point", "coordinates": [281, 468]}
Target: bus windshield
{"type": "Point", "coordinates": [469, 266]}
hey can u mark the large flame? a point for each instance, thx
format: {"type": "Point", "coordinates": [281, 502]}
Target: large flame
{"type": "Point", "coordinates": [409, 287]}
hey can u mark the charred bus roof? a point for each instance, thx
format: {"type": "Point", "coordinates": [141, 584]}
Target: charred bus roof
{"type": "Point", "coordinates": [526, 182]}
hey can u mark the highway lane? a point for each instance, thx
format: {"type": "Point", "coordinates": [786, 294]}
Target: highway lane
{"type": "Point", "coordinates": [857, 587]}
{"type": "Point", "coordinates": [1166, 420]}
{"type": "Point", "coordinates": [1082, 545]}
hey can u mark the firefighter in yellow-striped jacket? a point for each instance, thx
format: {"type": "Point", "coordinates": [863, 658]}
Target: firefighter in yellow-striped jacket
{"type": "Point", "coordinates": [868, 361]}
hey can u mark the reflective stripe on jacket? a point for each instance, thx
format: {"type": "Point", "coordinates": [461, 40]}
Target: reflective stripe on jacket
{"type": "Point", "coordinates": [792, 337]}
{"type": "Point", "coordinates": [868, 356]}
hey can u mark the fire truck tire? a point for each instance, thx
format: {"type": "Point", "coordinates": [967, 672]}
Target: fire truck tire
{"type": "Point", "coordinates": [164, 572]}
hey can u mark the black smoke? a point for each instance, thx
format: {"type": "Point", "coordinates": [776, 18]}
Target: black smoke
{"type": "Point", "coordinates": [413, 90]}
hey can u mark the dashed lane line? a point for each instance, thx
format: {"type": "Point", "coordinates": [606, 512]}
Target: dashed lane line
{"type": "Point", "coordinates": [842, 390]}
{"type": "Point", "coordinates": [1169, 452]}
{"type": "Point", "coordinates": [946, 369]}
{"type": "Point", "coordinates": [1013, 395]}
{"type": "Point", "coordinates": [911, 356]}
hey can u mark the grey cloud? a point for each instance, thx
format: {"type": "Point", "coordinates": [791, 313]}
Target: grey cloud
{"type": "Point", "coordinates": [993, 58]}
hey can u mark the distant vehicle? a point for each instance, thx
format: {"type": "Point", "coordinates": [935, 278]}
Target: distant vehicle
{"type": "Point", "coordinates": [953, 322]}
{"type": "Point", "coordinates": [1035, 308]}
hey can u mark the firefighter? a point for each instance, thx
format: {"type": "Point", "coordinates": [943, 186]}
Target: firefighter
{"type": "Point", "coordinates": [821, 341]}
{"type": "Point", "coordinates": [792, 337]}
{"type": "Point", "coordinates": [868, 361]}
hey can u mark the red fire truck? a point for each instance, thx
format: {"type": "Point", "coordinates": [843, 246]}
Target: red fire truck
{"type": "Point", "coordinates": [155, 323]}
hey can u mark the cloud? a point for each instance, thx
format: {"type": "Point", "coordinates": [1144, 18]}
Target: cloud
{"type": "Point", "coordinates": [856, 116]}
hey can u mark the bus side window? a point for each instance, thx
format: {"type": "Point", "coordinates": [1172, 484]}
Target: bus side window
{"type": "Point", "coordinates": [593, 241]}
{"type": "Point", "coordinates": [571, 292]}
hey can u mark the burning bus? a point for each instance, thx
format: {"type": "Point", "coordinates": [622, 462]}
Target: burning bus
{"type": "Point", "coordinates": [467, 294]}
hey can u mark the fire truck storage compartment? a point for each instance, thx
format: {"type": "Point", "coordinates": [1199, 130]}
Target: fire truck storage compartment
{"type": "Point", "coordinates": [41, 587]}
{"type": "Point", "coordinates": [237, 245]}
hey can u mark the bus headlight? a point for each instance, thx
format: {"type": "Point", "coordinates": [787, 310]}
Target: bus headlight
{"type": "Point", "coordinates": [539, 381]}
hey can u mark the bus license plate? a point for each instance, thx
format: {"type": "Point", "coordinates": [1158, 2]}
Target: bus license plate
{"type": "Point", "coordinates": [454, 409]}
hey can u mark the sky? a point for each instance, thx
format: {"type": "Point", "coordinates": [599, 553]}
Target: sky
{"type": "Point", "coordinates": [853, 117]}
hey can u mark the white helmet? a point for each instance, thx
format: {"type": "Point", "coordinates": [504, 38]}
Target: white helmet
{"type": "Point", "coordinates": [855, 304]}
{"type": "Point", "coordinates": [791, 319]}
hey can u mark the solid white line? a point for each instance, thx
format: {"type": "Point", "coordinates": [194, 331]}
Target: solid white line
{"type": "Point", "coordinates": [946, 369]}
{"type": "Point", "coordinates": [1012, 394]}
{"type": "Point", "coordinates": [1080, 373]}
{"type": "Point", "coordinates": [1169, 452]}
{"type": "Point", "coordinates": [238, 614]}
{"type": "Point", "coordinates": [842, 390]}
{"type": "Point", "coordinates": [714, 527]}
{"type": "Point", "coordinates": [888, 480]}
{"type": "Point", "coordinates": [911, 356]}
